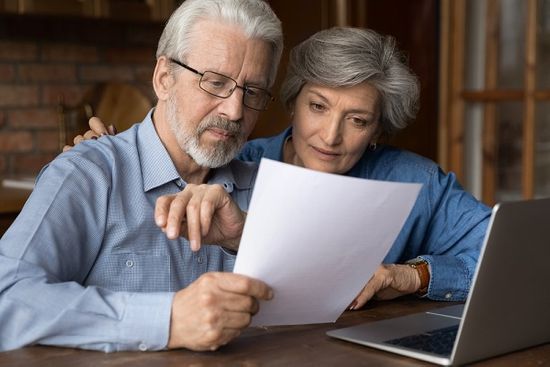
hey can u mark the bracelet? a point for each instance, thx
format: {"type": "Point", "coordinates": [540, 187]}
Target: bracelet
{"type": "Point", "coordinates": [423, 270]}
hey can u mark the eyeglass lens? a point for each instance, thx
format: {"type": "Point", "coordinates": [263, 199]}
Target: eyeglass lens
{"type": "Point", "coordinates": [222, 86]}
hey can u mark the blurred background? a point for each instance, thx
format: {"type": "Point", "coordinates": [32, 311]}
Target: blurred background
{"type": "Point", "coordinates": [483, 67]}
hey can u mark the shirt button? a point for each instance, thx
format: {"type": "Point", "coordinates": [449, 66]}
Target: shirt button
{"type": "Point", "coordinates": [143, 347]}
{"type": "Point", "coordinates": [199, 259]}
{"type": "Point", "coordinates": [448, 295]}
{"type": "Point", "coordinates": [228, 186]}
{"type": "Point", "coordinates": [129, 263]}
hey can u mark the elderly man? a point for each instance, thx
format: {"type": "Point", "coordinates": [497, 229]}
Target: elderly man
{"type": "Point", "coordinates": [85, 265]}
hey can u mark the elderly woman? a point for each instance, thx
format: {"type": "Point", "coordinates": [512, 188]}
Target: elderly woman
{"type": "Point", "coordinates": [345, 89]}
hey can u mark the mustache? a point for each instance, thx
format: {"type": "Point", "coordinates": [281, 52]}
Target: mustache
{"type": "Point", "coordinates": [232, 127]}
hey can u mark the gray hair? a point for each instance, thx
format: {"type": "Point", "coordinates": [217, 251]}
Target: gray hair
{"type": "Point", "coordinates": [344, 57]}
{"type": "Point", "coordinates": [255, 17]}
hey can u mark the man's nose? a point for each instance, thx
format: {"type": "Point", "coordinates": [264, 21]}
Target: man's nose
{"type": "Point", "coordinates": [232, 106]}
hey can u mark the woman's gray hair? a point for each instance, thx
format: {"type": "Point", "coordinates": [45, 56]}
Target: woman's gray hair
{"type": "Point", "coordinates": [255, 17]}
{"type": "Point", "coordinates": [344, 57]}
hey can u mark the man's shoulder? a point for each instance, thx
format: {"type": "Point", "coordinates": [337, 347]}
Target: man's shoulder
{"type": "Point", "coordinates": [103, 154]}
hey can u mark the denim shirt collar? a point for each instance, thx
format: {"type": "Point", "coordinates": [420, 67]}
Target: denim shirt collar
{"type": "Point", "coordinates": [274, 150]}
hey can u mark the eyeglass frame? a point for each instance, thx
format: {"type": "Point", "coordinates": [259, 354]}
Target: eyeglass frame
{"type": "Point", "coordinates": [244, 88]}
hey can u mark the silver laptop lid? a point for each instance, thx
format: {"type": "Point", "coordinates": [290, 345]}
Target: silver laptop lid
{"type": "Point", "coordinates": [508, 307]}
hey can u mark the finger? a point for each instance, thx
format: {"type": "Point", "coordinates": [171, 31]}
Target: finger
{"type": "Point", "coordinates": [212, 201]}
{"type": "Point", "coordinates": [112, 129]}
{"type": "Point", "coordinates": [162, 208]}
{"type": "Point", "coordinates": [375, 283]}
{"type": "Point", "coordinates": [67, 147]}
{"type": "Point", "coordinates": [241, 284]}
{"type": "Point", "coordinates": [97, 126]}
{"type": "Point", "coordinates": [77, 139]}
{"type": "Point", "coordinates": [193, 221]}
{"type": "Point", "coordinates": [365, 295]}
{"type": "Point", "coordinates": [224, 337]}
{"type": "Point", "coordinates": [235, 302]}
{"type": "Point", "coordinates": [235, 320]}
{"type": "Point", "coordinates": [90, 135]}
{"type": "Point", "coordinates": [176, 214]}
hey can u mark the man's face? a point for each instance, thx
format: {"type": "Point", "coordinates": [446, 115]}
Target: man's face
{"type": "Point", "coordinates": [210, 129]}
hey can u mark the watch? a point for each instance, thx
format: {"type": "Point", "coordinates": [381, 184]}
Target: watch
{"type": "Point", "coordinates": [423, 269]}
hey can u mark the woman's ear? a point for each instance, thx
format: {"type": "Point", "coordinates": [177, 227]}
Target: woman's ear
{"type": "Point", "coordinates": [163, 79]}
{"type": "Point", "coordinates": [290, 108]}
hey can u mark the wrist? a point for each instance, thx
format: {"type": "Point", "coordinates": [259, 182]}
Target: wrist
{"type": "Point", "coordinates": [423, 271]}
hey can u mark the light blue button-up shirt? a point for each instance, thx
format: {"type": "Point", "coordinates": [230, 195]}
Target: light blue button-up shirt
{"type": "Point", "coordinates": [84, 264]}
{"type": "Point", "coordinates": [446, 226]}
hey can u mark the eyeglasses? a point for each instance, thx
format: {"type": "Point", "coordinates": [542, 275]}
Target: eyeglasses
{"type": "Point", "coordinates": [223, 86]}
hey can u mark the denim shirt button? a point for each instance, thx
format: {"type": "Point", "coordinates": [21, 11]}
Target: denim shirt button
{"type": "Point", "coordinates": [129, 263]}
{"type": "Point", "coordinates": [448, 295]}
{"type": "Point", "coordinates": [143, 347]}
{"type": "Point", "coordinates": [199, 259]}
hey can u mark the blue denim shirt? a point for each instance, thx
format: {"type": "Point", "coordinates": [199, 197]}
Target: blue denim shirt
{"type": "Point", "coordinates": [446, 226]}
{"type": "Point", "coordinates": [84, 264]}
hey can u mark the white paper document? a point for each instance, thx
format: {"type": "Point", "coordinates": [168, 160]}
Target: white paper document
{"type": "Point", "coordinates": [317, 238]}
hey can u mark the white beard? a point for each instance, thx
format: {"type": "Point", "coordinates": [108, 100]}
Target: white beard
{"type": "Point", "coordinates": [215, 156]}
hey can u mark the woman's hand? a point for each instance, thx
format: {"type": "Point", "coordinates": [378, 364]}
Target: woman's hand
{"type": "Point", "coordinates": [388, 282]}
{"type": "Point", "coordinates": [97, 129]}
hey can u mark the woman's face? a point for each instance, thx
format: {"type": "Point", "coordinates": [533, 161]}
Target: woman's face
{"type": "Point", "coordinates": [332, 127]}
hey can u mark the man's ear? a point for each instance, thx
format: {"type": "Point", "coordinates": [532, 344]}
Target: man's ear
{"type": "Point", "coordinates": [163, 79]}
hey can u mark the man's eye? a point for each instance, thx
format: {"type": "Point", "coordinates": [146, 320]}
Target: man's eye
{"type": "Point", "coordinates": [216, 84]}
{"type": "Point", "coordinates": [359, 121]}
{"type": "Point", "coordinates": [317, 107]}
{"type": "Point", "coordinates": [252, 93]}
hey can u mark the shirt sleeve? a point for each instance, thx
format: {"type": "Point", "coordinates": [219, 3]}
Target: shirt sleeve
{"type": "Point", "coordinates": [454, 237]}
{"type": "Point", "coordinates": [45, 257]}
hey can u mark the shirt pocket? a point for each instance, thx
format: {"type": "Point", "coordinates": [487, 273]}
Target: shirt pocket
{"type": "Point", "coordinates": [133, 272]}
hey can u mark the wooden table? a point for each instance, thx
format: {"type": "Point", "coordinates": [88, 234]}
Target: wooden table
{"type": "Point", "coordinates": [304, 345]}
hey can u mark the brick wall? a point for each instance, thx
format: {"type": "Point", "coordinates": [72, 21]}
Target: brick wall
{"type": "Point", "coordinates": [47, 59]}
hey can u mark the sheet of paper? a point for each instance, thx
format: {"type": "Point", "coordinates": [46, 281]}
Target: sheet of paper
{"type": "Point", "coordinates": [317, 238]}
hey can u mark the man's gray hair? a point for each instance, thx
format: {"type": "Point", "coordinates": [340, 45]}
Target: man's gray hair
{"type": "Point", "coordinates": [344, 57]}
{"type": "Point", "coordinates": [255, 17]}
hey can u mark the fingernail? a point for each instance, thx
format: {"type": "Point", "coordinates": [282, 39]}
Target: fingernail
{"type": "Point", "coordinates": [194, 245]}
{"type": "Point", "coordinates": [171, 233]}
{"type": "Point", "coordinates": [352, 306]}
{"type": "Point", "coordinates": [159, 220]}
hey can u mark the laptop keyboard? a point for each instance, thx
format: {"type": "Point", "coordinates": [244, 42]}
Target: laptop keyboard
{"type": "Point", "coordinates": [438, 341]}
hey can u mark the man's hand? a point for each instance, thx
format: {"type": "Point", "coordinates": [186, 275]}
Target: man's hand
{"type": "Point", "coordinates": [97, 129]}
{"type": "Point", "coordinates": [201, 213]}
{"type": "Point", "coordinates": [214, 309]}
{"type": "Point", "coordinates": [388, 282]}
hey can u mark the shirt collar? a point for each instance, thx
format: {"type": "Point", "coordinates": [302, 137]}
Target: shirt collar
{"type": "Point", "coordinates": [157, 167]}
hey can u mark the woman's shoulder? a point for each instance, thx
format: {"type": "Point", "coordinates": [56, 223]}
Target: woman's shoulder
{"type": "Point", "coordinates": [268, 147]}
{"type": "Point", "coordinates": [393, 163]}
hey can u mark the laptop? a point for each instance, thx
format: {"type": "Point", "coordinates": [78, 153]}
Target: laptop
{"type": "Point", "coordinates": [507, 309]}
